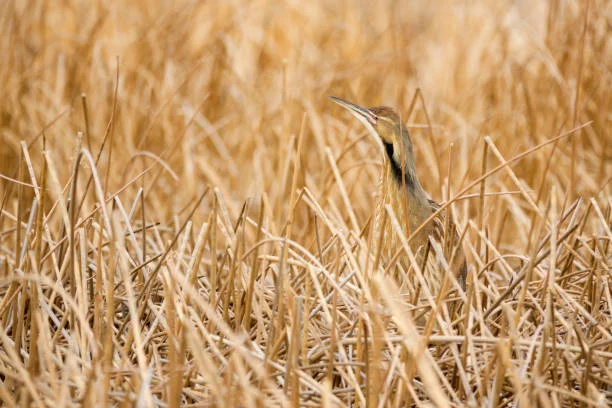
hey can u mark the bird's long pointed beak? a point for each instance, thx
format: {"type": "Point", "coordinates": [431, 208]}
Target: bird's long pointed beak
{"type": "Point", "coordinates": [359, 112]}
{"type": "Point", "coordinates": [364, 115]}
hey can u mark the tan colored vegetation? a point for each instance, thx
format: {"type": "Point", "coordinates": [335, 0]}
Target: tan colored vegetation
{"type": "Point", "coordinates": [185, 219]}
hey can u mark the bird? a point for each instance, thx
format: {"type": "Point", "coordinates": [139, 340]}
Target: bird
{"type": "Point", "coordinates": [405, 193]}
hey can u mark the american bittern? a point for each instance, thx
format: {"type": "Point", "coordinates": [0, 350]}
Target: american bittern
{"type": "Point", "coordinates": [404, 191]}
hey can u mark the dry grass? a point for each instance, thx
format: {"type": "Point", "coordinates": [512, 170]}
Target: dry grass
{"type": "Point", "coordinates": [186, 220]}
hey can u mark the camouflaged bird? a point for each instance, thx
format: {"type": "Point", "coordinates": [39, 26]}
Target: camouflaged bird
{"type": "Point", "coordinates": [406, 195]}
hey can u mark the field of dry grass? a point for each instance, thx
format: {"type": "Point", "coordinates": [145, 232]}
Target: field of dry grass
{"type": "Point", "coordinates": [187, 220]}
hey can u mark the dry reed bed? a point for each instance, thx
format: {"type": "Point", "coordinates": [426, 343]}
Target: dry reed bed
{"type": "Point", "coordinates": [192, 223]}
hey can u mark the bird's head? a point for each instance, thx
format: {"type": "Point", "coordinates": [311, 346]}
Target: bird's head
{"type": "Point", "coordinates": [385, 125]}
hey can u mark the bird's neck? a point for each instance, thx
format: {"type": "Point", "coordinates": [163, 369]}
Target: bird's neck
{"type": "Point", "coordinates": [408, 199]}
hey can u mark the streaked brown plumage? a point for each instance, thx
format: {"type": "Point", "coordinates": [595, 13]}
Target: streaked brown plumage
{"type": "Point", "coordinates": [404, 191]}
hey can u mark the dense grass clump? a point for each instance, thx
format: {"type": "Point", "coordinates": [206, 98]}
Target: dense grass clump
{"type": "Point", "coordinates": [185, 219]}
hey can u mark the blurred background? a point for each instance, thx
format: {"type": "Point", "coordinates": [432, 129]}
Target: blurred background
{"type": "Point", "coordinates": [214, 93]}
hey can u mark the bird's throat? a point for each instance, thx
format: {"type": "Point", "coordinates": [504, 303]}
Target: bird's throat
{"type": "Point", "coordinates": [403, 176]}
{"type": "Point", "coordinates": [404, 192]}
